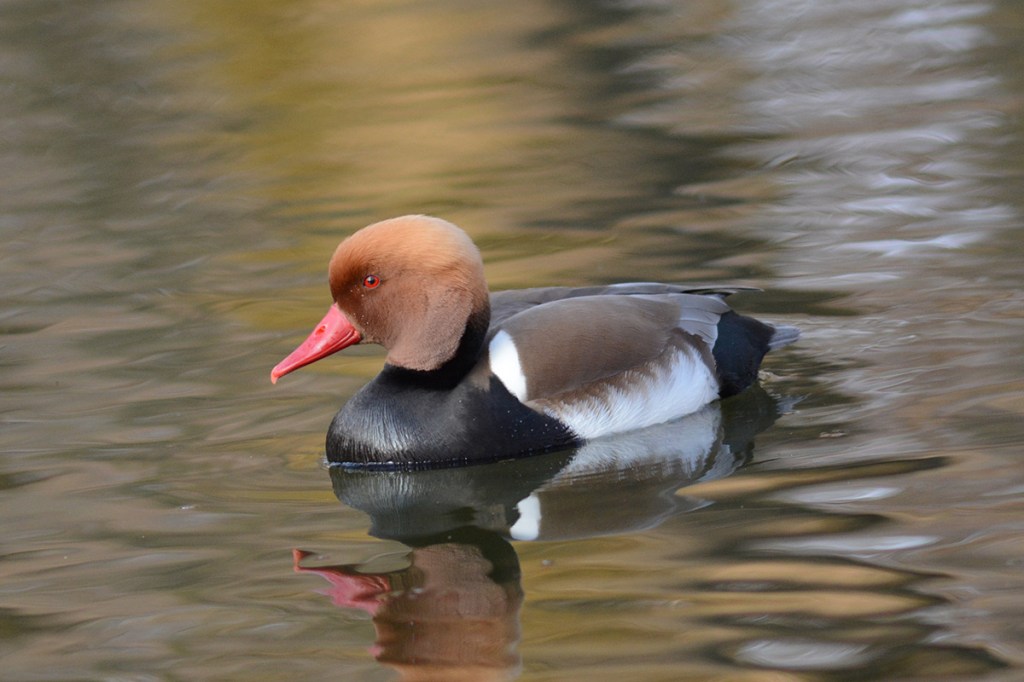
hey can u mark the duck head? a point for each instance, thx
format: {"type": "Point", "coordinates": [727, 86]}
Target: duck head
{"type": "Point", "coordinates": [411, 284]}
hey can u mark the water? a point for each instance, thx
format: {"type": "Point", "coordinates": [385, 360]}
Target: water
{"type": "Point", "coordinates": [174, 176]}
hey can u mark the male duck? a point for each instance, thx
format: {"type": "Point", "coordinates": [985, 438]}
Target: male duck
{"type": "Point", "coordinates": [471, 376]}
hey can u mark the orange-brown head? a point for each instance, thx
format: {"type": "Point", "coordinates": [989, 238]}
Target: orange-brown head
{"type": "Point", "coordinates": [410, 284]}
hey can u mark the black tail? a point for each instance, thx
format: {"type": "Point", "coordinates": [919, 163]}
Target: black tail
{"type": "Point", "coordinates": [741, 345]}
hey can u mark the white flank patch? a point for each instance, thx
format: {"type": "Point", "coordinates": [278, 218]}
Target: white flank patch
{"type": "Point", "coordinates": [683, 388]}
{"type": "Point", "coordinates": [528, 525]}
{"type": "Point", "coordinates": [504, 358]}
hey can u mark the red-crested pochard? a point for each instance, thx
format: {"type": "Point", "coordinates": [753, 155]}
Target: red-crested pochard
{"type": "Point", "coordinates": [471, 376]}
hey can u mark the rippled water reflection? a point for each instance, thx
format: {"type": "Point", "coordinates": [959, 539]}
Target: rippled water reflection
{"type": "Point", "coordinates": [174, 176]}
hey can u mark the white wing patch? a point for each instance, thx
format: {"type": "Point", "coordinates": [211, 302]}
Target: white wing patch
{"type": "Point", "coordinates": [638, 398]}
{"type": "Point", "coordinates": [504, 359]}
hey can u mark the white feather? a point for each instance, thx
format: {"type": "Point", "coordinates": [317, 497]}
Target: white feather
{"type": "Point", "coordinates": [684, 388]}
{"type": "Point", "coordinates": [504, 359]}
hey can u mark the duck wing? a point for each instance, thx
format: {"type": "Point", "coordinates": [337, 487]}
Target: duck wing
{"type": "Point", "coordinates": [505, 304]}
{"type": "Point", "coordinates": [568, 343]}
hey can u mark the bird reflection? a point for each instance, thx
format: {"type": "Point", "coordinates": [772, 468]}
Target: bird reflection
{"type": "Point", "coordinates": [453, 612]}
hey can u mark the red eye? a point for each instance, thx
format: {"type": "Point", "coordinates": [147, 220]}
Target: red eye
{"type": "Point", "coordinates": [371, 281]}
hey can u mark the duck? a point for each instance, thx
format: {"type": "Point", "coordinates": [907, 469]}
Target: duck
{"type": "Point", "coordinates": [472, 376]}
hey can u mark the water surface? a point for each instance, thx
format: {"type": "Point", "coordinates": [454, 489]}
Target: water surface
{"type": "Point", "coordinates": [174, 176]}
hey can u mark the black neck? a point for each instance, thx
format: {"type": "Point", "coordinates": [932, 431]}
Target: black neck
{"type": "Point", "coordinates": [451, 372]}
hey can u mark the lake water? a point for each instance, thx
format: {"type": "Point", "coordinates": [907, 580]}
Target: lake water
{"type": "Point", "coordinates": [174, 176]}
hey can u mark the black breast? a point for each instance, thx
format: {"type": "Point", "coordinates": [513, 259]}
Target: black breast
{"type": "Point", "coordinates": [408, 419]}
